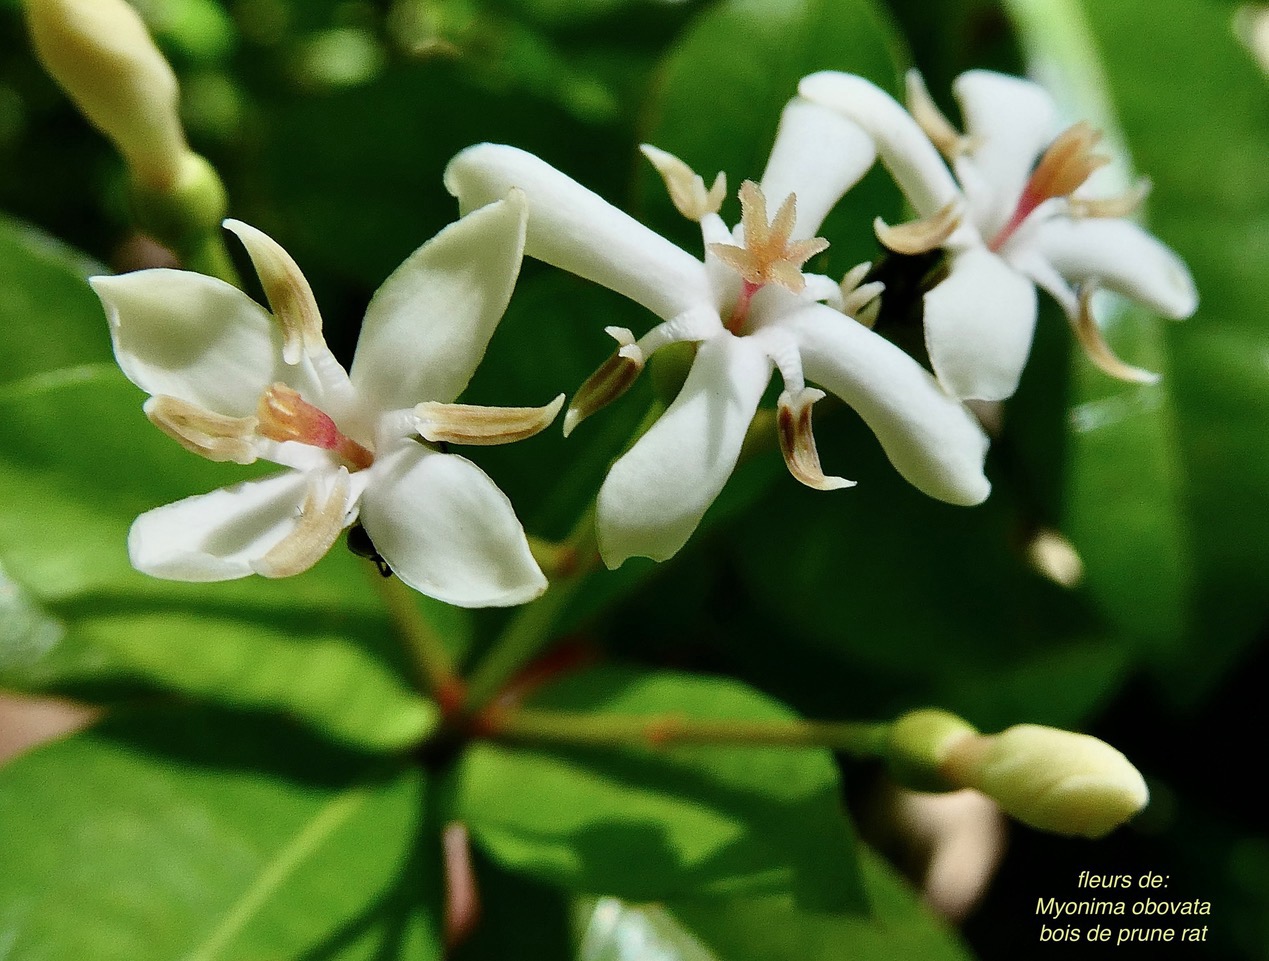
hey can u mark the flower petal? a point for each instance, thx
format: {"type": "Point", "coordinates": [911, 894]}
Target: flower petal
{"type": "Point", "coordinates": [1123, 257]}
{"type": "Point", "coordinates": [1010, 121]}
{"type": "Point", "coordinates": [427, 327]}
{"type": "Point", "coordinates": [221, 536]}
{"type": "Point", "coordinates": [575, 229]}
{"type": "Point", "coordinates": [198, 339]}
{"type": "Point", "coordinates": [978, 326]}
{"type": "Point", "coordinates": [447, 530]}
{"type": "Point", "coordinates": [905, 149]}
{"type": "Point", "coordinates": [818, 155]}
{"type": "Point", "coordinates": [656, 494]}
{"type": "Point", "coordinates": [931, 439]}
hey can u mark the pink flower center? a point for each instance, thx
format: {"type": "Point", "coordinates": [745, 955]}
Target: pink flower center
{"type": "Point", "coordinates": [286, 416]}
{"type": "Point", "coordinates": [1063, 168]}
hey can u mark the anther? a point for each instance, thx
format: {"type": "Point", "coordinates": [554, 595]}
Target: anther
{"type": "Point", "coordinates": [1122, 205]}
{"type": "Point", "coordinates": [287, 290]}
{"type": "Point", "coordinates": [921, 236]}
{"type": "Point", "coordinates": [202, 432]}
{"type": "Point", "coordinates": [685, 186]}
{"type": "Point", "coordinates": [613, 378]}
{"type": "Point", "coordinates": [319, 524]}
{"type": "Point", "coordinates": [482, 426]}
{"type": "Point", "coordinates": [797, 440]}
{"type": "Point", "coordinates": [950, 142]}
{"type": "Point", "coordinates": [1089, 334]}
{"type": "Point", "coordinates": [861, 300]}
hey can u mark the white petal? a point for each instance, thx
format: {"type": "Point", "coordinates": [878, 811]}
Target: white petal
{"type": "Point", "coordinates": [656, 494]}
{"type": "Point", "coordinates": [427, 327]}
{"type": "Point", "coordinates": [1010, 122]}
{"type": "Point", "coordinates": [905, 149]}
{"type": "Point", "coordinates": [1123, 257]}
{"type": "Point", "coordinates": [218, 536]}
{"type": "Point", "coordinates": [447, 530]}
{"type": "Point", "coordinates": [931, 439]}
{"type": "Point", "coordinates": [197, 339]}
{"type": "Point", "coordinates": [818, 155]}
{"type": "Point", "coordinates": [978, 326]}
{"type": "Point", "coordinates": [575, 229]}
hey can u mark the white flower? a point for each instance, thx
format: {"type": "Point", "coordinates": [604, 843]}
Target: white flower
{"type": "Point", "coordinates": [229, 381]}
{"type": "Point", "coordinates": [752, 310]}
{"type": "Point", "coordinates": [1028, 220]}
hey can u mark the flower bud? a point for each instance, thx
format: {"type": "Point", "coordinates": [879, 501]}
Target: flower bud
{"type": "Point", "coordinates": [1051, 779]}
{"type": "Point", "coordinates": [101, 54]}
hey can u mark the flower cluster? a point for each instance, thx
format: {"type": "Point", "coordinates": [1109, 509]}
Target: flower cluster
{"type": "Point", "coordinates": [232, 382]}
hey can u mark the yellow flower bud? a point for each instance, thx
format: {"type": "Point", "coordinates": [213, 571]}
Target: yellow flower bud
{"type": "Point", "coordinates": [1051, 779]}
{"type": "Point", "coordinates": [101, 54]}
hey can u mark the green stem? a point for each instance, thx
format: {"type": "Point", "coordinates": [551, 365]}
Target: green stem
{"type": "Point", "coordinates": [531, 627]}
{"type": "Point", "coordinates": [860, 739]}
{"type": "Point", "coordinates": [209, 255]}
{"type": "Point", "coordinates": [433, 665]}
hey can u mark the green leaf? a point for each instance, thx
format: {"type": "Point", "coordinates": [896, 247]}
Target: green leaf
{"type": "Point", "coordinates": [650, 824]}
{"type": "Point", "coordinates": [78, 462]}
{"type": "Point", "coordinates": [726, 81]}
{"type": "Point", "coordinates": [775, 929]}
{"type": "Point", "coordinates": [49, 317]}
{"type": "Point", "coordinates": [1193, 109]}
{"type": "Point", "coordinates": [210, 837]}
{"type": "Point", "coordinates": [933, 604]}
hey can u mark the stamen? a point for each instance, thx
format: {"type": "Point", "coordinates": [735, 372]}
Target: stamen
{"type": "Point", "coordinates": [289, 294]}
{"type": "Point", "coordinates": [1063, 169]}
{"type": "Point", "coordinates": [482, 426]}
{"type": "Point", "coordinates": [860, 299]}
{"type": "Point", "coordinates": [1094, 343]}
{"type": "Point", "coordinates": [685, 186]}
{"type": "Point", "coordinates": [613, 378]}
{"type": "Point", "coordinates": [1124, 205]}
{"type": "Point", "coordinates": [768, 256]}
{"type": "Point", "coordinates": [921, 236]}
{"type": "Point", "coordinates": [286, 416]}
{"type": "Point", "coordinates": [868, 314]}
{"type": "Point", "coordinates": [314, 533]}
{"type": "Point", "coordinates": [202, 432]}
{"type": "Point", "coordinates": [1067, 163]}
{"type": "Point", "coordinates": [797, 440]}
{"type": "Point", "coordinates": [950, 142]}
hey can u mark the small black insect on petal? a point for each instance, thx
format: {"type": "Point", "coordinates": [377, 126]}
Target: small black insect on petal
{"type": "Point", "coordinates": [359, 543]}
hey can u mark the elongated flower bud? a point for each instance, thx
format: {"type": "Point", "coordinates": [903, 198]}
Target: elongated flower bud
{"type": "Point", "coordinates": [1053, 780]}
{"type": "Point", "coordinates": [101, 54]}
{"type": "Point", "coordinates": [1048, 778]}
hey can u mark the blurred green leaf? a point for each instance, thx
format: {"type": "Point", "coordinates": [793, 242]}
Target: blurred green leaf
{"type": "Point", "coordinates": [1193, 109]}
{"type": "Point", "coordinates": [78, 462]}
{"type": "Point", "coordinates": [932, 603]}
{"type": "Point", "coordinates": [199, 835]}
{"type": "Point", "coordinates": [725, 82]}
{"type": "Point", "coordinates": [49, 317]}
{"type": "Point", "coordinates": [650, 824]}
{"type": "Point", "coordinates": [774, 928]}
{"type": "Point", "coordinates": [520, 918]}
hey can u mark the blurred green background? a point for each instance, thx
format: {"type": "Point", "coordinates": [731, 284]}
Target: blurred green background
{"type": "Point", "coordinates": [330, 123]}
